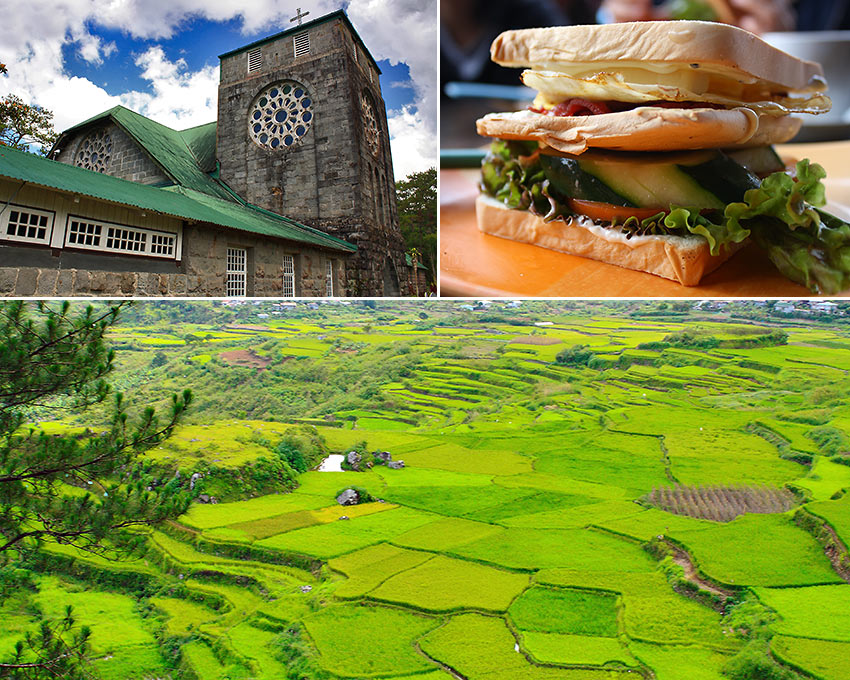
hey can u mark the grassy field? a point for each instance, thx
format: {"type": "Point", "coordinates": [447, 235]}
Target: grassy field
{"type": "Point", "coordinates": [513, 543]}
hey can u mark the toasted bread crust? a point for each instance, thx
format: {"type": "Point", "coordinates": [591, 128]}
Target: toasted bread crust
{"type": "Point", "coordinates": [684, 42]}
{"type": "Point", "coordinates": [645, 128]}
{"type": "Point", "coordinates": [682, 259]}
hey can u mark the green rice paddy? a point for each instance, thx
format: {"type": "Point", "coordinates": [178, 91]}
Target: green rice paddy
{"type": "Point", "coordinates": [513, 542]}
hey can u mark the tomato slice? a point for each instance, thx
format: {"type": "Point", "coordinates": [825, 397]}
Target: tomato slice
{"type": "Point", "coordinates": [605, 212]}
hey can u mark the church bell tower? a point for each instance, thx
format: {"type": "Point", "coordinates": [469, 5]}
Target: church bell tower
{"type": "Point", "coordinates": [302, 131]}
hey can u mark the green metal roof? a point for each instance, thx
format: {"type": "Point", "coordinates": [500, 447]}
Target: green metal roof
{"type": "Point", "coordinates": [338, 14]}
{"type": "Point", "coordinates": [183, 156]}
{"type": "Point", "coordinates": [201, 142]}
{"type": "Point", "coordinates": [177, 201]}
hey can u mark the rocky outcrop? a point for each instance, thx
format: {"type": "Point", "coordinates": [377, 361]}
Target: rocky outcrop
{"type": "Point", "coordinates": [348, 497]}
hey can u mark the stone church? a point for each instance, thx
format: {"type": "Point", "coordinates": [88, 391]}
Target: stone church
{"type": "Point", "coordinates": [289, 193]}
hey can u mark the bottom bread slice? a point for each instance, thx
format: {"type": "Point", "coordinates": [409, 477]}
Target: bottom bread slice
{"type": "Point", "coordinates": [685, 259]}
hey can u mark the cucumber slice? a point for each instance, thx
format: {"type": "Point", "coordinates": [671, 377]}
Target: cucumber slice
{"type": "Point", "coordinates": [696, 179]}
{"type": "Point", "coordinates": [568, 180]}
{"type": "Point", "coordinates": [653, 180]}
{"type": "Point", "coordinates": [723, 177]}
{"type": "Point", "coordinates": [760, 160]}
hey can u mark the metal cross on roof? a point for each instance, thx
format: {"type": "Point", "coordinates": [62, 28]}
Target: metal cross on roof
{"type": "Point", "coordinates": [299, 16]}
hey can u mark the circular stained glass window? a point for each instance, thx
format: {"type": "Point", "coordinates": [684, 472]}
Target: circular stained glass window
{"type": "Point", "coordinates": [370, 123]}
{"type": "Point", "coordinates": [280, 116]}
{"type": "Point", "coordinates": [95, 152]}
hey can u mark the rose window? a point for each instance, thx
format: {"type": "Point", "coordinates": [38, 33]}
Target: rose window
{"type": "Point", "coordinates": [95, 152]}
{"type": "Point", "coordinates": [370, 124]}
{"type": "Point", "coordinates": [281, 116]}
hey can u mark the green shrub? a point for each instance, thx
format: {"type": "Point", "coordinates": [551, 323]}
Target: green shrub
{"type": "Point", "coordinates": [658, 548]}
{"type": "Point", "coordinates": [576, 356]}
{"type": "Point", "coordinates": [749, 618]}
{"type": "Point", "coordinates": [691, 339]}
{"type": "Point", "coordinates": [290, 451]}
{"type": "Point", "coordinates": [656, 345]}
{"type": "Point", "coordinates": [755, 663]}
{"type": "Point", "coordinates": [830, 440]}
{"type": "Point", "coordinates": [295, 653]}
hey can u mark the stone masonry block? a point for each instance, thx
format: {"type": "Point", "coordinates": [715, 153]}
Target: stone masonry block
{"type": "Point", "coordinates": [65, 283]}
{"type": "Point", "coordinates": [27, 281]}
{"type": "Point", "coordinates": [46, 284]}
{"type": "Point", "coordinates": [8, 277]}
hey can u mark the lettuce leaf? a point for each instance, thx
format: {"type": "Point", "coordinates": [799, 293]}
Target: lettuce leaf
{"type": "Point", "coordinates": [784, 216]}
{"type": "Point", "coordinates": [808, 245]}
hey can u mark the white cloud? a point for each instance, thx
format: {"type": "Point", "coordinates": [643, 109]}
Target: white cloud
{"type": "Point", "coordinates": [92, 49]}
{"type": "Point", "coordinates": [36, 74]}
{"type": "Point", "coordinates": [413, 144]}
{"type": "Point", "coordinates": [180, 98]}
{"type": "Point", "coordinates": [32, 36]}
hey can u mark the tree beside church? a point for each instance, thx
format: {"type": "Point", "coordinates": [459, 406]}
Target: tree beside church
{"type": "Point", "coordinates": [417, 207]}
{"type": "Point", "coordinates": [23, 125]}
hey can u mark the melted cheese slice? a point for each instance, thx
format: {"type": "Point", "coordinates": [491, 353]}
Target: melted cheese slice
{"type": "Point", "coordinates": [667, 82]}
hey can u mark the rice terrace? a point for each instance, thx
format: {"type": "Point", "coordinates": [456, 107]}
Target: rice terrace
{"type": "Point", "coordinates": [426, 490]}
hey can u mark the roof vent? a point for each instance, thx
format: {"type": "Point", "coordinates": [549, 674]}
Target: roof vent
{"type": "Point", "coordinates": [302, 44]}
{"type": "Point", "coordinates": [255, 59]}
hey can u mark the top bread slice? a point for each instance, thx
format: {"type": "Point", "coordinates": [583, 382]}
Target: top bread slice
{"type": "Point", "coordinates": [700, 44]}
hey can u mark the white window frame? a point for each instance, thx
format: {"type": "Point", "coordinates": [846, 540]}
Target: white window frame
{"type": "Point", "coordinates": [301, 44]}
{"type": "Point", "coordinates": [329, 278]}
{"type": "Point", "coordinates": [236, 281]}
{"type": "Point", "coordinates": [12, 216]}
{"type": "Point", "coordinates": [289, 276]}
{"type": "Point", "coordinates": [110, 237]}
{"type": "Point", "coordinates": [255, 59]}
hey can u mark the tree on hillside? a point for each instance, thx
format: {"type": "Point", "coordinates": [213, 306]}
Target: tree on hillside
{"type": "Point", "coordinates": [575, 356]}
{"type": "Point", "coordinates": [86, 490]}
{"type": "Point", "coordinates": [22, 125]}
{"type": "Point", "coordinates": [417, 214]}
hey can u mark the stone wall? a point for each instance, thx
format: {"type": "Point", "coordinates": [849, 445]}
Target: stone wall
{"type": "Point", "coordinates": [33, 281]}
{"type": "Point", "coordinates": [128, 161]}
{"type": "Point", "coordinates": [378, 267]}
{"type": "Point", "coordinates": [201, 272]}
{"type": "Point", "coordinates": [205, 253]}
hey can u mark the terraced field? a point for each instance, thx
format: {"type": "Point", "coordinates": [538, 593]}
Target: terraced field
{"type": "Point", "coordinates": [514, 542]}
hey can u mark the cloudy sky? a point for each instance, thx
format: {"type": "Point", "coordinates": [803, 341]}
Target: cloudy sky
{"type": "Point", "coordinates": [160, 58]}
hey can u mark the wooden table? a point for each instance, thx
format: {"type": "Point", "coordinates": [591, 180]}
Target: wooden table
{"type": "Point", "coordinates": [473, 264]}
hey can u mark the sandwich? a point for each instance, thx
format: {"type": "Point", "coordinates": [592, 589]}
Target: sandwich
{"type": "Point", "coordinates": [649, 146]}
